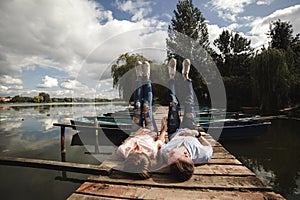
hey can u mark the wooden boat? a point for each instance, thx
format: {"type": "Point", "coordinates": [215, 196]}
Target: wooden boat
{"type": "Point", "coordinates": [236, 129]}
{"type": "Point", "coordinates": [107, 134]}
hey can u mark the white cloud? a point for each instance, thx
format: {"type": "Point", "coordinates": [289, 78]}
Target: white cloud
{"type": "Point", "coordinates": [3, 89]}
{"type": "Point", "coordinates": [48, 82]}
{"type": "Point", "coordinates": [264, 2]}
{"type": "Point", "coordinates": [260, 26]}
{"type": "Point", "coordinates": [138, 8]}
{"type": "Point", "coordinates": [6, 79]}
{"type": "Point", "coordinates": [56, 33]}
{"type": "Point", "coordinates": [108, 94]}
{"type": "Point", "coordinates": [230, 9]}
{"type": "Point", "coordinates": [63, 34]}
{"type": "Point", "coordinates": [73, 85]}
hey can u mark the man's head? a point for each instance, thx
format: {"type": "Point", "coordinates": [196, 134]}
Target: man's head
{"type": "Point", "coordinates": [181, 164]}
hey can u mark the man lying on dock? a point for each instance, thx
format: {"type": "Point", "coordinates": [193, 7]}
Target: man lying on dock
{"type": "Point", "coordinates": [186, 146]}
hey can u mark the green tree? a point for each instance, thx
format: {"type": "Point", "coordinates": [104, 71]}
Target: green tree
{"type": "Point", "coordinates": [124, 76]}
{"type": "Point", "coordinates": [46, 97]}
{"type": "Point", "coordinates": [187, 38]}
{"type": "Point", "coordinates": [271, 80]}
{"type": "Point", "coordinates": [281, 34]}
{"type": "Point", "coordinates": [235, 51]}
{"type": "Point", "coordinates": [233, 61]}
{"type": "Point", "coordinates": [38, 99]}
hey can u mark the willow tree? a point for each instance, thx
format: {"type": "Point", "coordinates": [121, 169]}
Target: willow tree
{"type": "Point", "coordinates": [187, 36]}
{"type": "Point", "coordinates": [271, 83]}
{"type": "Point", "coordinates": [123, 74]}
{"type": "Point", "coordinates": [124, 77]}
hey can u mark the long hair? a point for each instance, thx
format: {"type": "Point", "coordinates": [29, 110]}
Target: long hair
{"type": "Point", "coordinates": [182, 170]}
{"type": "Point", "coordinates": [138, 165]}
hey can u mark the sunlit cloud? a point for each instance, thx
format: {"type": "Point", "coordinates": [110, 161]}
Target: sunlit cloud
{"type": "Point", "coordinates": [48, 82]}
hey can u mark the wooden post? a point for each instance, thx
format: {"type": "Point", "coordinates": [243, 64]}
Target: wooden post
{"type": "Point", "coordinates": [96, 133]}
{"type": "Point", "coordinates": [62, 140]}
{"type": "Point", "coordinates": [63, 148]}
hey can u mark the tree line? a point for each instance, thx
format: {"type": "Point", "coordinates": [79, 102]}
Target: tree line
{"type": "Point", "coordinates": [268, 78]}
{"type": "Point", "coordinates": [43, 97]}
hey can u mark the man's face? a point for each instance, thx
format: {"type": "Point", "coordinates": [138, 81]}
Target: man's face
{"type": "Point", "coordinates": [178, 154]}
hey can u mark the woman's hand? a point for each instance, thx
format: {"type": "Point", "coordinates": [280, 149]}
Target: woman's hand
{"type": "Point", "coordinates": [164, 124]}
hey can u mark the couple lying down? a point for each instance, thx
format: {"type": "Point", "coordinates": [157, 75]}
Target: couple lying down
{"type": "Point", "coordinates": [144, 150]}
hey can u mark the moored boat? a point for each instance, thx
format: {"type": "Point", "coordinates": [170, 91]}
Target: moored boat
{"type": "Point", "coordinates": [236, 129]}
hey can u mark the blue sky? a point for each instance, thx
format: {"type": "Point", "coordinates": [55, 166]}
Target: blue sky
{"type": "Point", "coordinates": [65, 48]}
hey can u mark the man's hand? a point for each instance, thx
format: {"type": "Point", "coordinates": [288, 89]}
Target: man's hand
{"type": "Point", "coordinates": [189, 133]}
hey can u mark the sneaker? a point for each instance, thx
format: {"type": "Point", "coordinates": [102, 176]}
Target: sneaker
{"type": "Point", "coordinates": [138, 69]}
{"type": "Point", "coordinates": [146, 69]}
{"type": "Point", "coordinates": [186, 65]}
{"type": "Point", "coordinates": [172, 68]}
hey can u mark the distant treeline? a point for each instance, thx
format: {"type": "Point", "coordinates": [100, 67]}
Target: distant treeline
{"type": "Point", "coordinates": [45, 98]}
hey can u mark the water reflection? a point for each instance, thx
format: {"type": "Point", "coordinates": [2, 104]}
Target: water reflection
{"type": "Point", "coordinates": [273, 157]}
{"type": "Point", "coordinates": [27, 131]}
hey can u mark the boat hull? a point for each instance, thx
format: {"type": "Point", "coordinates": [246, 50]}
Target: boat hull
{"type": "Point", "coordinates": [236, 130]}
{"type": "Point", "coordinates": [102, 135]}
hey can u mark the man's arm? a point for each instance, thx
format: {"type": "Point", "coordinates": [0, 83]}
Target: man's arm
{"type": "Point", "coordinates": [203, 141]}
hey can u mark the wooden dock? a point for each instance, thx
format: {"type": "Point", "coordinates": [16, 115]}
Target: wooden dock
{"type": "Point", "coordinates": [224, 177]}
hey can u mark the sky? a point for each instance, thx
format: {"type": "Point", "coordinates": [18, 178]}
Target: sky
{"type": "Point", "coordinates": [66, 47]}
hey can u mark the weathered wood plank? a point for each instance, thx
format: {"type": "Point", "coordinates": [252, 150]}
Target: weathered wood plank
{"type": "Point", "coordinates": [54, 165]}
{"type": "Point", "coordinates": [221, 161]}
{"type": "Point", "coordinates": [76, 196]}
{"type": "Point", "coordinates": [222, 155]}
{"type": "Point", "coordinates": [219, 149]}
{"type": "Point", "coordinates": [99, 190]}
{"type": "Point", "coordinates": [196, 182]}
{"type": "Point", "coordinates": [209, 169]}
{"type": "Point", "coordinates": [232, 170]}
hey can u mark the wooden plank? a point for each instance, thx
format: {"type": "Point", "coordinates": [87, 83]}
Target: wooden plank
{"type": "Point", "coordinates": [222, 155]}
{"type": "Point", "coordinates": [76, 196]}
{"type": "Point", "coordinates": [209, 169]}
{"type": "Point", "coordinates": [226, 170]}
{"type": "Point", "coordinates": [221, 161]}
{"type": "Point", "coordinates": [220, 149]}
{"type": "Point", "coordinates": [54, 165]}
{"type": "Point", "coordinates": [100, 191]}
{"type": "Point", "coordinates": [196, 182]}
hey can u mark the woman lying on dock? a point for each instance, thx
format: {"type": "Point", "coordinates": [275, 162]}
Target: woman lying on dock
{"type": "Point", "coordinates": [186, 146]}
{"type": "Point", "coordinates": [140, 149]}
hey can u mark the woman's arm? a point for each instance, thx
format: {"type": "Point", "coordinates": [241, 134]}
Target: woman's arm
{"type": "Point", "coordinates": [163, 131]}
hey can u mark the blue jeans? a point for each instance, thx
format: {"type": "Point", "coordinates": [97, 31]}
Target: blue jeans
{"type": "Point", "coordinates": [143, 106]}
{"type": "Point", "coordinates": [188, 120]}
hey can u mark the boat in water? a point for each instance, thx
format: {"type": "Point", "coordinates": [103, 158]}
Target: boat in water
{"type": "Point", "coordinates": [236, 129]}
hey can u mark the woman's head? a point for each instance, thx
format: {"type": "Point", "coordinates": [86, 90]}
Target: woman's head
{"type": "Point", "coordinates": [138, 165]}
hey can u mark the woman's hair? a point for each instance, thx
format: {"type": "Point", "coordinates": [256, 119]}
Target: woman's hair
{"type": "Point", "coordinates": [138, 165]}
{"type": "Point", "coordinates": [182, 170]}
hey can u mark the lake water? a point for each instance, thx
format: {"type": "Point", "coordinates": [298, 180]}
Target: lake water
{"type": "Point", "coordinates": [28, 131]}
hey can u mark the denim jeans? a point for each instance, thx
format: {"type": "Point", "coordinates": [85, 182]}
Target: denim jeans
{"type": "Point", "coordinates": [188, 120]}
{"type": "Point", "coordinates": [143, 99]}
